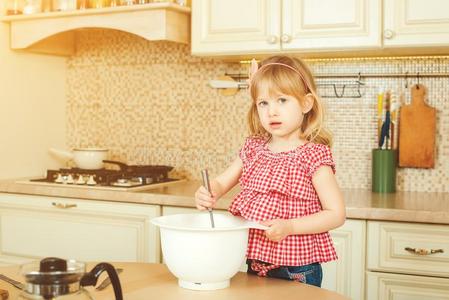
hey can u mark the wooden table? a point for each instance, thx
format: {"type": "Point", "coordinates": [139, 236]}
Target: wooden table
{"type": "Point", "coordinates": [141, 281]}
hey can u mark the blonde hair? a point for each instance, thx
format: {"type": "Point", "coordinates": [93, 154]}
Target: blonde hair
{"type": "Point", "coordinates": [296, 82]}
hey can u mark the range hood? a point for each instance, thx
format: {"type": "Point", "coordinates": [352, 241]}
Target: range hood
{"type": "Point", "coordinates": [54, 32]}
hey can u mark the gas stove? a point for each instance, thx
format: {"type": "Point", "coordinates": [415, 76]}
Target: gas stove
{"type": "Point", "coordinates": [126, 177]}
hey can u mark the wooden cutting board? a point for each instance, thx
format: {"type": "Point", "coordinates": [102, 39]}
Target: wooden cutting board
{"type": "Point", "coordinates": [417, 131]}
{"type": "Point", "coordinates": [4, 294]}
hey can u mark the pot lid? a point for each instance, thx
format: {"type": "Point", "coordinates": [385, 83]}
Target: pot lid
{"type": "Point", "coordinates": [53, 271]}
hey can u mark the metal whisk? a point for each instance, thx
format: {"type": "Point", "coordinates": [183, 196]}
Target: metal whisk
{"type": "Point", "coordinates": [206, 184]}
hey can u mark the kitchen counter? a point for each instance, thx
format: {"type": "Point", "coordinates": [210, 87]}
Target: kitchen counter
{"type": "Point", "coordinates": [142, 281]}
{"type": "Point", "coordinates": [422, 207]}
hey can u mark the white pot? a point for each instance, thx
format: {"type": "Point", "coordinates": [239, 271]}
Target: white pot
{"type": "Point", "coordinates": [84, 158]}
{"type": "Point", "coordinates": [201, 257]}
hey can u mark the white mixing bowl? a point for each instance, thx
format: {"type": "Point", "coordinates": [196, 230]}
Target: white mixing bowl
{"type": "Point", "coordinates": [201, 257]}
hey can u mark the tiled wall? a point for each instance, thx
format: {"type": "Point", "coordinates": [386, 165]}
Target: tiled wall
{"type": "Point", "coordinates": [149, 102]}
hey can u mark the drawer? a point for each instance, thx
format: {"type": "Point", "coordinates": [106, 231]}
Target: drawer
{"type": "Point", "coordinates": [33, 227]}
{"type": "Point", "coordinates": [385, 286]}
{"type": "Point", "coordinates": [387, 244]}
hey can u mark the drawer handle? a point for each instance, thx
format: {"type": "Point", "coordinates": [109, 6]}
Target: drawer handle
{"type": "Point", "coordinates": [63, 206]}
{"type": "Point", "coordinates": [423, 251]}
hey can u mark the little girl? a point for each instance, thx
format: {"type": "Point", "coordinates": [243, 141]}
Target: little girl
{"type": "Point", "coordinates": [286, 174]}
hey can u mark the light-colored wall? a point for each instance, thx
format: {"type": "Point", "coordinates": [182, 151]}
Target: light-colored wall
{"type": "Point", "coordinates": [32, 109]}
{"type": "Point", "coordinates": [150, 102]}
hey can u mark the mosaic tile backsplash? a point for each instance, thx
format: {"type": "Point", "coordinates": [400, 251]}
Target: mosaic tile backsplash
{"type": "Point", "coordinates": [150, 103]}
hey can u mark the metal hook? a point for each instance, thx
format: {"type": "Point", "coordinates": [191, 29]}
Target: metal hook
{"type": "Point", "coordinates": [406, 81]}
{"type": "Point", "coordinates": [342, 91]}
{"type": "Point", "coordinates": [358, 89]}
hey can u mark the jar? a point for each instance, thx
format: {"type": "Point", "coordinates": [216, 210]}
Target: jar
{"type": "Point", "coordinates": [127, 2]}
{"type": "Point", "coordinates": [82, 4]}
{"type": "Point", "coordinates": [101, 3]}
{"type": "Point", "coordinates": [64, 5]}
{"type": "Point", "coordinates": [47, 6]}
{"type": "Point", "coordinates": [32, 7]}
{"type": "Point", "coordinates": [13, 7]}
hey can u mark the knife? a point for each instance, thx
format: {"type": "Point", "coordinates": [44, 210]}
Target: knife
{"type": "Point", "coordinates": [15, 283]}
{"type": "Point", "coordinates": [104, 284]}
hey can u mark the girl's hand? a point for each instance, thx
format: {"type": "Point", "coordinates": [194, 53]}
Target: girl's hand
{"type": "Point", "coordinates": [203, 199]}
{"type": "Point", "coordinates": [279, 229]}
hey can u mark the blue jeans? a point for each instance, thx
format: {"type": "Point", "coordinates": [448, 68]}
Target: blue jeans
{"type": "Point", "coordinates": [310, 274]}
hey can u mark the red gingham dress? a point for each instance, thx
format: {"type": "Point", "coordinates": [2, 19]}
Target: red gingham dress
{"type": "Point", "coordinates": [279, 186]}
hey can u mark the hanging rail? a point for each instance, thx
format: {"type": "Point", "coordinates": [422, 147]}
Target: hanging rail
{"type": "Point", "coordinates": [364, 75]}
{"type": "Point", "coordinates": [336, 89]}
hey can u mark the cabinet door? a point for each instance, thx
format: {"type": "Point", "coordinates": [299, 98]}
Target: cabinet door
{"type": "Point", "coordinates": [387, 286]}
{"type": "Point", "coordinates": [34, 227]}
{"type": "Point", "coordinates": [416, 23]}
{"type": "Point", "coordinates": [330, 24]}
{"type": "Point", "coordinates": [346, 275]}
{"type": "Point", "coordinates": [235, 26]}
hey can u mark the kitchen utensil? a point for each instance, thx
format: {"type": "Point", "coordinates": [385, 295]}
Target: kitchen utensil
{"type": "Point", "coordinates": [385, 131]}
{"type": "Point", "coordinates": [15, 283]}
{"type": "Point", "coordinates": [105, 283]}
{"type": "Point", "coordinates": [206, 184]}
{"type": "Point", "coordinates": [204, 258]}
{"type": "Point", "coordinates": [417, 125]}
{"type": "Point", "coordinates": [380, 96]}
{"type": "Point", "coordinates": [394, 104]}
{"type": "Point", "coordinates": [84, 158]}
{"type": "Point", "coordinates": [227, 84]}
{"type": "Point", "coordinates": [59, 279]}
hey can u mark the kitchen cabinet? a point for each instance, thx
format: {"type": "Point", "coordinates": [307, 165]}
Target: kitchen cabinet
{"type": "Point", "coordinates": [346, 275]}
{"type": "Point", "coordinates": [54, 32]}
{"type": "Point", "coordinates": [35, 226]}
{"type": "Point", "coordinates": [311, 27]}
{"type": "Point", "coordinates": [416, 23]}
{"type": "Point", "coordinates": [407, 261]}
{"type": "Point", "coordinates": [270, 26]}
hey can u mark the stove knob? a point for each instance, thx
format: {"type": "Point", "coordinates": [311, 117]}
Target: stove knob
{"type": "Point", "coordinates": [70, 179]}
{"type": "Point", "coordinates": [91, 180]}
{"type": "Point", "coordinates": [80, 180]}
{"type": "Point", "coordinates": [59, 179]}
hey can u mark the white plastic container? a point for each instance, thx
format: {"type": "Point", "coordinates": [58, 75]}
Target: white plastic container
{"type": "Point", "coordinates": [201, 257]}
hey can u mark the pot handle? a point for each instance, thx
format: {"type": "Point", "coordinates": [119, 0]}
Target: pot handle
{"type": "Point", "coordinates": [123, 167]}
{"type": "Point", "coordinates": [91, 278]}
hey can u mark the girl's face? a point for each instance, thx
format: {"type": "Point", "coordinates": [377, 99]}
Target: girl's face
{"type": "Point", "coordinates": [280, 115]}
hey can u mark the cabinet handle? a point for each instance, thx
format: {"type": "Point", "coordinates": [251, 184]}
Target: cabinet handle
{"type": "Point", "coordinates": [388, 34]}
{"type": "Point", "coordinates": [64, 206]}
{"type": "Point", "coordinates": [423, 251]}
{"type": "Point", "coordinates": [285, 38]}
{"type": "Point", "coordinates": [272, 39]}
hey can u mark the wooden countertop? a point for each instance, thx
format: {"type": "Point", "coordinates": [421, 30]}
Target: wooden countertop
{"type": "Point", "coordinates": [141, 281]}
{"type": "Point", "coordinates": [422, 207]}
